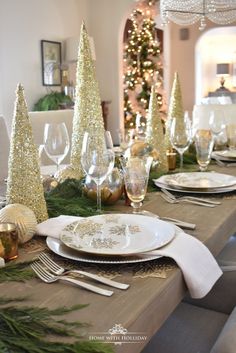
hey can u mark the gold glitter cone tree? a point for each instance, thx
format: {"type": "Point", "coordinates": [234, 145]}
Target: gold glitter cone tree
{"type": "Point", "coordinates": [175, 107]}
{"type": "Point", "coordinates": [24, 183]}
{"type": "Point", "coordinates": [88, 112]}
{"type": "Point", "coordinates": [154, 132]}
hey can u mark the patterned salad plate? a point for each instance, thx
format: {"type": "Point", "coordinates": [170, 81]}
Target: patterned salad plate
{"type": "Point", "coordinates": [197, 182]}
{"type": "Point", "coordinates": [117, 234]}
{"type": "Point", "coordinates": [226, 155]}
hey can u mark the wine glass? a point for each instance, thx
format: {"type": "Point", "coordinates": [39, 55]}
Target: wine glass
{"type": "Point", "coordinates": [97, 159]}
{"type": "Point", "coordinates": [217, 123]}
{"type": "Point", "coordinates": [125, 137]}
{"type": "Point", "coordinates": [204, 142]}
{"type": "Point", "coordinates": [136, 174]}
{"type": "Point", "coordinates": [56, 142]}
{"type": "Point", "coordinates": [180, 135]}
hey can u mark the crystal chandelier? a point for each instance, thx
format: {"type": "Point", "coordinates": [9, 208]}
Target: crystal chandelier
{"type": "Point", "coordinates": [187, 12]}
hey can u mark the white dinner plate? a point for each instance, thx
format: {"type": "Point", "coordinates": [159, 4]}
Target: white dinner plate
{"type": "Point", "coordinates": [226, 155]}
{"type": "Point", "coordinates": [197, 180]}
{"type": "Point", "coordinates": [60, 249]}
{"type": "Point", "coordinates": [117, 234]}
{"type": "Point", "coordinates": [188, 191]}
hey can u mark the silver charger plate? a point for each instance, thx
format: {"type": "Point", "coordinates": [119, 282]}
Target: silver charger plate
{"type": "Point", "coordinates": [56, 246]}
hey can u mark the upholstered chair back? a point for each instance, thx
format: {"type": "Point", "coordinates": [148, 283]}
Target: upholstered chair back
{"type": "Point", "coordinates": [38, 121]}
{"type": "Point", "coordinates": [4, 149]}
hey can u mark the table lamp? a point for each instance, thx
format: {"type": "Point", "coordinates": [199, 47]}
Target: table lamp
{"type": "Point", "coordinates": [222, 70]}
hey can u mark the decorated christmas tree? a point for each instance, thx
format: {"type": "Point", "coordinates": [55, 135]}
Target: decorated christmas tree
{"type": "Point", "coordinates": [142, 63]}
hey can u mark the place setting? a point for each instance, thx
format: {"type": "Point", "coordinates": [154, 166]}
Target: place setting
{"type": "Point", "coordinates": [225, 158]}
{"type": "Point", "coordinates": [128, 239]}
{"type": "Point", "coordinates": [195, 182]}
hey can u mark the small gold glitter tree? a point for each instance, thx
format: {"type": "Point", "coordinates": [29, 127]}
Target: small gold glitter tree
{"type": "Point", "coordinates": [24, 182]}
{"type": "Point", "coordinates": [155, 134]}
{"type": "Point", "coordinates": [175, 108]}
{"type": "Point", "coordinates": [88, 111]}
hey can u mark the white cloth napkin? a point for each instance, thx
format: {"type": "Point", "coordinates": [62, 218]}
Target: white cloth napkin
{"type": "Point", "coordinates": [199, 267]}
{"type": "Point", "coordinates": [52, 227]}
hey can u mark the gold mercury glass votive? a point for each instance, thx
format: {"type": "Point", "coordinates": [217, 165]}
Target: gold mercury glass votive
{"type": "Point", "coordinates": [8, 241]}
{"type": "Point", "coordinates": [171, 159]}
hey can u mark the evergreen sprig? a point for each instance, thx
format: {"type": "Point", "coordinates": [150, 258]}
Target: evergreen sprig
{"type": "Point", "coordinates": [19, 272]}
{"type": "Point", "coordinates": [68, 199]}
{"type": "Point", "coordinates": [25, 329]}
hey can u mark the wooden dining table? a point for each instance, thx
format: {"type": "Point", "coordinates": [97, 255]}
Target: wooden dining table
{"type": "Point", "coordinates": [148, 302]}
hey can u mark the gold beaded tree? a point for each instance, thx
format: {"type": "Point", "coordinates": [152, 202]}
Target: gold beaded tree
{"type": "Point", "coordinates": [88, 112]}
{"type": "Point", "coordinates": [176, 104]}
{"type": "Point", "coordinates": [175, 107]}
{"type": "Point", "coordinates": [24, 182]}
{"type": "Point", "coordinates": [154, 132]}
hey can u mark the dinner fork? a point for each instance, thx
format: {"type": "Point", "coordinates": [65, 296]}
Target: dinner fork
{"type": "Point", "coordinates": [170, 195]}
{"type": "Point", "coordinates": [48, 277]}
{"type": "Point", "coordinates": [224, 164]}
{"type": "Point", "coordinates": [59, 270]}
{"type": "Point", "coordinates": [170, 200]}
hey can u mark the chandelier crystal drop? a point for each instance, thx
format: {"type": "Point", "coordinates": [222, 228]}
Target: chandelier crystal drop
{"type": "Point", "coordinates": [188, 12]}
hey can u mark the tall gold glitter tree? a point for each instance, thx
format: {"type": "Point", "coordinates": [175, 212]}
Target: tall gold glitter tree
{"type": "Point", "coordinates": [175, 107]}
{"type": "Point", "coordinates": [154, 132]}
{"type": "Point", "coordinates": [88, 111]}
{"type": "Point", "coordinates": [24, 182]}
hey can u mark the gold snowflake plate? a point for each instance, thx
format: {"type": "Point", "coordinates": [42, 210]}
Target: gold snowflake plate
{"type": "Point", "coordinates": [115, 235]}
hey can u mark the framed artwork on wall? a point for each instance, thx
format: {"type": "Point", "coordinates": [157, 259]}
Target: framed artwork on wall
{"type": "Point", "coordinates": [51, 63]}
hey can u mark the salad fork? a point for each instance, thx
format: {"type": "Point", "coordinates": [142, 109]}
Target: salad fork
{"type": "Point", "coordinates": [58, 270]}
{"type": "Point", "coordinates": [170, 195]}
{"type": "Point", "coordinates": [48, 277]}
{"type": "Point", "coordinates": [171, 200]}
{"type": "Point", "coordinates": [224, 164]}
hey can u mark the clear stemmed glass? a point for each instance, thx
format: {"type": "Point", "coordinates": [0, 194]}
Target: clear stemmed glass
{"type": "Point", "coordinates": [204, 142]}
{"type": "Point", "coordinates": [136, 173]}
{"type": "Point", "coordinates": [56, 142]}
{"type": "Point", "coordinates": [97, 159]}
{"type": "Point", "coordinates": [217, 123]}
{"type": "Point", "coordinates": [180, 135]}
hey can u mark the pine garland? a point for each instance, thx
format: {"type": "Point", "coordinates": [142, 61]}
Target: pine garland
{"type": "Point", "coordinates": [23, 330]}
{"type": "Point", "coordinates": [68, 199]}
{"type": "Point", "coordinates": [19, 272]}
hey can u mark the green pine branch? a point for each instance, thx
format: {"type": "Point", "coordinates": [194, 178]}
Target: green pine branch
{"type": "Point", "coordinates": [16, 272]}
{"type": "Point", "coordinates": [25, 329]}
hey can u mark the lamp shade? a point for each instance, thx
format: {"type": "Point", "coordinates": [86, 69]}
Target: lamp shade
{"type": "Point", "coordinates": [222, 69]}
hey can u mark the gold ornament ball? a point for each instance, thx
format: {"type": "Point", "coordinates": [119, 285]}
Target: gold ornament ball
{"type": "Point", "coordinates": [49, 183]}
{"type": "Point", "coordinates": [23, 217]}
{"type": "Point", "coordinates": [111, 189]}
{"type": "Point", "coordinates": [141, 149]}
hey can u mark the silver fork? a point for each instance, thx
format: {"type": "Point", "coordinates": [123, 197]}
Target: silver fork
{"type": "Point", "coordinates": [169, 194]}
{"type": "Point", "coordinates": [224, 164]}
{"type": "Point", "coordinates": [48, 277]}
{"type": "Point", "coordinates": [170, 200]}
{"type": "Point", "coordinates": [59, 270]}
